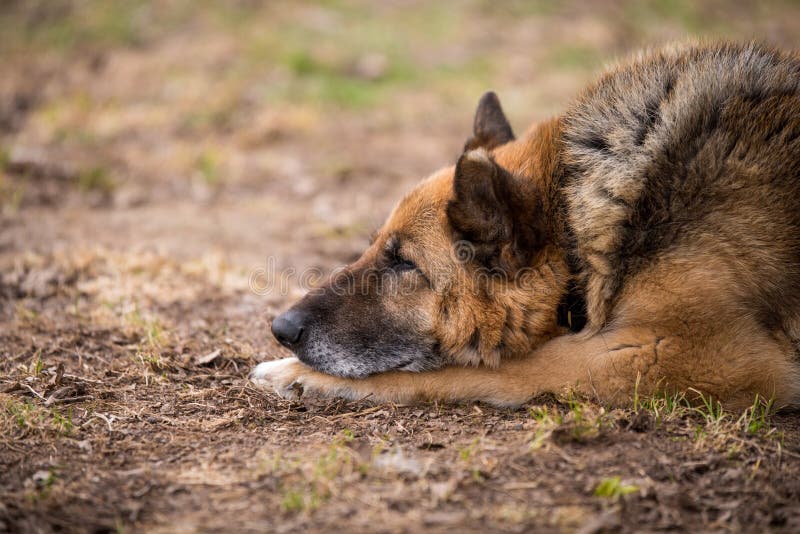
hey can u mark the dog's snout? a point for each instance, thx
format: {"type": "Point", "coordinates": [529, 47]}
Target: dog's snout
{"type": "Point", "coordinates": [288, 328]}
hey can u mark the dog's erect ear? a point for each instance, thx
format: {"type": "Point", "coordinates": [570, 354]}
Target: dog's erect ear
{"type": "Point", "coordinates": [476, 212]}
{"type": "Point", "coordinates": [493, 211]}
{"type": "Point", "coordinates": [491, 128]}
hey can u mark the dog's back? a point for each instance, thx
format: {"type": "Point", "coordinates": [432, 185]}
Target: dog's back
{"type": "Point", "coordinates": [693, 149]}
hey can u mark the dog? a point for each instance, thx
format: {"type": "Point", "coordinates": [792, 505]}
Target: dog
{"type": "Point", "coordinates": [646, 241]}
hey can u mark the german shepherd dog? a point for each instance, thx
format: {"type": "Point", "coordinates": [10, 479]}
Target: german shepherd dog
{"type": "Point", "coordinates": [647, 240]}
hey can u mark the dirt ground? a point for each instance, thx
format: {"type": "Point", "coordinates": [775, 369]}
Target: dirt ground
{"type": "Point", "coordinates": [160, 162]}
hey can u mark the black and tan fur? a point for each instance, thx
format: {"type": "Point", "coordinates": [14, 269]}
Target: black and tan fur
{"type": "Point", "coordinates": [666, 198]}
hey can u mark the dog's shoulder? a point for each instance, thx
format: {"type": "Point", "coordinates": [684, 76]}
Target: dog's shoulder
{"type": "Point", "coordinates": [629, 138]}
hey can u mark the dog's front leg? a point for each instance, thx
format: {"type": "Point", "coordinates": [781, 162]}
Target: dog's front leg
{"type": "Point", "coordinates": [610, 366]}
{"type": "Point", "coordinates": [291, 379]}
{"type": "Point", "coordinates": [555, 367]}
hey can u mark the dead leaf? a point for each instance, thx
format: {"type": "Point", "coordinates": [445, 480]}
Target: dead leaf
{"type": "Point", "coordinates": [208, 358]}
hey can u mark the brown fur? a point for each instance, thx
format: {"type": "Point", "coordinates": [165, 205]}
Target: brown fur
{"type": "Point", "coordinates": [669, 193]}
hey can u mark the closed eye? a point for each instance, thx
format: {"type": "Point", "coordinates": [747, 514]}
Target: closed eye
{"type": "Point", "coordinates": [399, 263]}
{"type": "Point", "coordinates": [402, 264]}
{"type": "Point", "coordinates": [396, 261]}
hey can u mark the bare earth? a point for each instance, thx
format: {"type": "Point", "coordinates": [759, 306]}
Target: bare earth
{"type": "Point", "coordinates": [155, 157]}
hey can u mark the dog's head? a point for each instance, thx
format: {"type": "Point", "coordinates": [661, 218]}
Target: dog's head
{"type": "Point", "coordinates": [464, 271]}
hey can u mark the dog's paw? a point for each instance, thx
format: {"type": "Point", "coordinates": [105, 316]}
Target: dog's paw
{"type": "Point", "coordinates": [284, 377]}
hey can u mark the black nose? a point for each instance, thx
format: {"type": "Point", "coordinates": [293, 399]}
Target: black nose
{"type": "Point", "coordinates": [288, 328]}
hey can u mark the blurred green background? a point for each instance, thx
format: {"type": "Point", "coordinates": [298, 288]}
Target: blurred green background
{"type": "Point", "coordinates": [308, 114]}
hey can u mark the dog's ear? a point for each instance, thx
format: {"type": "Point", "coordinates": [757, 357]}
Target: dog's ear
{"type": "Point", "coordinates": [491, 128]}
{"type": "Point", "coordinates": [494, 212]}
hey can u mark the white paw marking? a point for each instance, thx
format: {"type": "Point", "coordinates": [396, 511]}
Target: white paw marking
{"type": "Point", "coordinates": [282, 376]}
{"type": "Point", "coordinates": [264, 370]}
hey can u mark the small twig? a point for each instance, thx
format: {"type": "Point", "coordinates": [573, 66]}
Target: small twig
{"type": "Point", "coordinates": [83, 379]}
{"type": "Point", "coordinates": [34, 391]}
{"type": "Point", "coordinates": [68, 400]}
{"type": "Point", "coordinates": [325, 419]}
{"type": "Point", "coordinates": [365, 397]}
{"type": "Point", "coordinates": [356, 414]}
{"type": "Point", "coordinates": [13, 448]}
{"type": "Point", "coordinates": [104, 418]}
{"type": "Point", "coordinates": [201, 405]}
{"type": "Point", "coordinates": [521, 485]}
